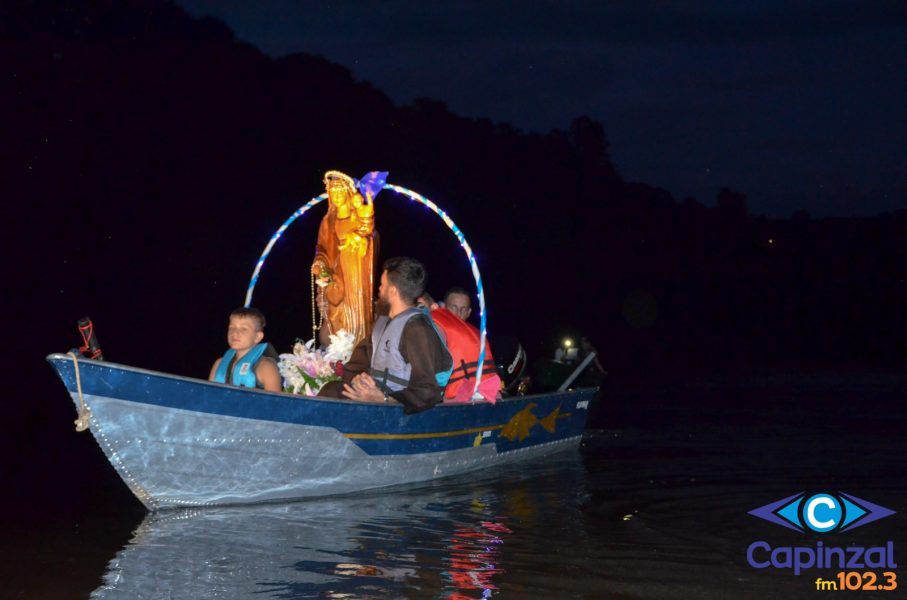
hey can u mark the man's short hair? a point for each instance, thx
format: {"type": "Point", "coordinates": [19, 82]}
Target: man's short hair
{"type": "Point", "coordinates": [247, 312]}
{"type": "Point", "coordinates": [407, 275]}
{"type": "Point", "coordinates": [457, 290]}
{"type": "Point", "coordinates": [426, 298]}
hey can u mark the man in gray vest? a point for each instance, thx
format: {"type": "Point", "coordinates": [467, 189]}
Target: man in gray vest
{"type": "Point", "coordinates": [404, 358]}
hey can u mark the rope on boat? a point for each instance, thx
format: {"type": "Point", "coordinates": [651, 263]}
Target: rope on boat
{"type": "Point", "coordinates": [84, 419]}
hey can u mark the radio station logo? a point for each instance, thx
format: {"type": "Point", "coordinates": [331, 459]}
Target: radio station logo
{"type": "Point", "coordinates": [822, 512]}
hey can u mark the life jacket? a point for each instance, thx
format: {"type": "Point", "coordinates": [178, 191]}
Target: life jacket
{"type": "Point", "coordinates": [243, 373]}
{"type": "Point", "coordinates": [463, 344]}
{"type": "Point", "coordinates": [388, 367]}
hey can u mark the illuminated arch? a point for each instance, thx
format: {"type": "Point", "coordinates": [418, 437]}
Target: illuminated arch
{"type": "Point", "coordinates": [480, 292]}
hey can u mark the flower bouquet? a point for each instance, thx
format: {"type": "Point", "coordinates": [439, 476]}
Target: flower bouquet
{"type": "Point", "coordinates": [307, 370]}
{"type": "Point", "coordinates": [341, 347]}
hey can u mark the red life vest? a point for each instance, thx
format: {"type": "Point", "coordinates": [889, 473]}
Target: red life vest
{"type": "Point", "coordinates": [463, 343]}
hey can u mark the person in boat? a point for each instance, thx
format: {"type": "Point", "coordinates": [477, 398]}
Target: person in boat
{"type": "Point", "coordinates": [594, 373]}
{"type": "Point", "coordinates": [457, 301]}
{"type": "Point", "coordinates": [462, 340]}
{"type": "Point", "coordinates": [404, 359]}
{"type": "Point", "coordinates": [345, 257]}
{"type": "Point", "coordinates": [247, 362]}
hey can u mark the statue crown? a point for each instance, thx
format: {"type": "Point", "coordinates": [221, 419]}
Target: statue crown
{"type": "Point", "coordinates": [336, 179]}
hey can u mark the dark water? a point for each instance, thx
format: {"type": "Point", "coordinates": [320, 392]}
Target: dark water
{"type": "Point", "coordinates": [653, 506]}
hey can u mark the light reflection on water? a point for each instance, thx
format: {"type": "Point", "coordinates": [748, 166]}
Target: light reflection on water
{"type": "Point", "coordinates": [450, 539]}
{"type": "Point", "coordinates": [653, 509]}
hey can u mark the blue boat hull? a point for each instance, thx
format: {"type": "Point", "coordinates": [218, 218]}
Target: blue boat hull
{"type": "Point", "coordinates": [179, 441]}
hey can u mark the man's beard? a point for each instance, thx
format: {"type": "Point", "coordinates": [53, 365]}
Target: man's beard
{"type": "Point", "coordinates": [382, 307]}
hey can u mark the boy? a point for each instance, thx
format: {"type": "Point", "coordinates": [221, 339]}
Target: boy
{"type": "Point", "coordinates": [244, 364]}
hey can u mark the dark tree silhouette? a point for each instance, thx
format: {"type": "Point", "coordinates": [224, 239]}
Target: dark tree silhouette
{"type": "Point", "coordinates": [147, 157]}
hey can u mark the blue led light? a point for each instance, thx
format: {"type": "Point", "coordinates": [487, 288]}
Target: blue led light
{"type": "Point", "coordinates": [264, 255]}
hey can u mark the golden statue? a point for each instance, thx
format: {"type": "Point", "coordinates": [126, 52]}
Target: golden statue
{"type": "Point", "coordinates": [344, 263]}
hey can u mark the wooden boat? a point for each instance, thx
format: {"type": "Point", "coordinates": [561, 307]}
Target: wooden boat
{"type": "Point", "coordinates": [179, 441]}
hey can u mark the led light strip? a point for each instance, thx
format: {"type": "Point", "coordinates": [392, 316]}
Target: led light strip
{"type": "Point", "coordinates": [264, 255]}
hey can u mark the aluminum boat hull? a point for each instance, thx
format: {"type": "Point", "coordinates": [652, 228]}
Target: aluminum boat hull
{"type": "Point", "coordinates": [179, 441]}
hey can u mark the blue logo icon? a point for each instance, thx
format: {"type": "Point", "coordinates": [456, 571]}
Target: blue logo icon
{"type": "Point", "coordinates": [821, 513]}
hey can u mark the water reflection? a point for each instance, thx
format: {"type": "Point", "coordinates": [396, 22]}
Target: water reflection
{"type": "Point", "coordinates": [446, 541]}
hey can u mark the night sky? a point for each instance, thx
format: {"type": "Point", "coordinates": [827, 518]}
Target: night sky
{"type": "Point", "coordinates": [799, 105]}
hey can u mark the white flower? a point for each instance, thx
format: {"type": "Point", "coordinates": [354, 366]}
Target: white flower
{"type": "Point", "coordinates": [341, 347]}
{"type": "Point", "coordinates": [305, 371]}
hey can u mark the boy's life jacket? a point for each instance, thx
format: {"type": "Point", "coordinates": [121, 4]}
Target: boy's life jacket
{"type": "Point", "coordinates": [243, 372]}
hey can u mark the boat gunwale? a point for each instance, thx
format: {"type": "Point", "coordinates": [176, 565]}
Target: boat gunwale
{"type": "Point", "coordinates": [64, 357]}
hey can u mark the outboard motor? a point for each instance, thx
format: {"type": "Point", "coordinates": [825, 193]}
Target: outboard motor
{"type": "Point", "coordinates": [510, 361]}
{"type": "Point", "coordinates": [90, 345]}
